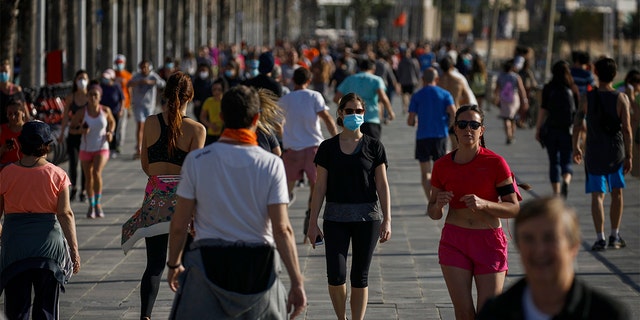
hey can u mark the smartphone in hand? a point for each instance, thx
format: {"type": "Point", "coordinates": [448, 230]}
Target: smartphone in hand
{"type": "Point", "coordinates": [319, 240]}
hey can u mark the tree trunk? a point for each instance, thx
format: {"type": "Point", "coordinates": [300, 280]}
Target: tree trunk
{"type": "Point", "coordinates": [8, 23]}
{"type": "Point", "coordinates": [29, 58]}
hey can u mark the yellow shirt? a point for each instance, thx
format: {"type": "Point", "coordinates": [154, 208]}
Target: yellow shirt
{"type": "Point", "coordinates": [212, 107]}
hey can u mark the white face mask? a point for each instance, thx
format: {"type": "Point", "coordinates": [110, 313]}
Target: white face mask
{"type": "Point", "coordinates": [203, 75]}
{"type": "Point", "coordinates": [82, 83]}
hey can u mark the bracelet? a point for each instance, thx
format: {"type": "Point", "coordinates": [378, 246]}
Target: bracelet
{"type": "Point", "coordinates": [173, 267]}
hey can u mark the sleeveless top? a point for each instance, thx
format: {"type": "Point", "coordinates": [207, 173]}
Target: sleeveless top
{"type": "Point", "coordinates": [73, 108]}
{"type": "Point", "coordinates": [605, 150]}
{"type": "Point", "coordinates": [159, 151]}
{"type": "Point", "coordinates": [96, 138]}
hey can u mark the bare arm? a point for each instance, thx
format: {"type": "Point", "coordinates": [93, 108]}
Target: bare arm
{"type": "Point", "coordinates": [317, 198]}
{"type": "Point", "coordinates": [285, 243]}
{"type": "Point", "coordinates": [411, 119]}
{"type": "Point", "coordinates": [144, 156]}
{"type": "Point", "coordinates": [199, 137]}
{"type": "Point", "coordinates": [623, 113]}
{"type": "Point", "coordinates": [437, 200]}
{"type": "Point", "coordinates": [178, 238]}
{"type": "Point", "coordinates": [522, 93]}
{"type": "Point", "coordinates": [386, 103]}
{"type": "Point", "coordinates": [507, 208]}
{"type": "Point", "coordinates": [328, 121]}
{"type": "Point", "coordinates": [111, 123]}
{"type": "Point", "coordinates": [382, 188]}
{"type": "Point", "coordinates": [337, 97]}
{"type": "Point", "coordinates": [451, 111]}
{"type": "Point", "coordinates": [578, 128]}
{"type": "Point", "coordinates": [68, 226]}
{"type": "Point", "coordinates": [65, 116]}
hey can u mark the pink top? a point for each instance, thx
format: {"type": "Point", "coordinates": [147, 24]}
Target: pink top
{"type": "Point", "coordinates": [32, 190]}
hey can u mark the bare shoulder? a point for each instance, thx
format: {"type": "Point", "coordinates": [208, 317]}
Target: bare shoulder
{"type": "Point", "coordinates": [193, 126]}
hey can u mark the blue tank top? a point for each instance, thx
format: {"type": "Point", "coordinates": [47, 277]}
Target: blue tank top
{"type": "Point", "coordinates": [159, 152]}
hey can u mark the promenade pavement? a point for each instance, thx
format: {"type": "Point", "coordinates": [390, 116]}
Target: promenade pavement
{"type": "Point", "coordinates": [405, 278]}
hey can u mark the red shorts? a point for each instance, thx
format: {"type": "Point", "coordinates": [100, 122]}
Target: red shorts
{"type": "Point", "coordinates": [89, 155]}
{"type": "Point", "coordinates": [481, 251]}
{"type": "Point", "coordinates": [297, 162]}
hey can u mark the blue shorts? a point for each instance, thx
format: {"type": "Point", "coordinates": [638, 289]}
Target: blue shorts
{"type": "Point", "coordinates": [605, 182]}
{"type": "Point", "coordinates": [141, 113]}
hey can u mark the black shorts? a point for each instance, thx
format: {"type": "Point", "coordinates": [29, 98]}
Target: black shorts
{"type": "Point", "coordinates": [408, 88]}
{"type": "Point", "coordinates": [430, 149]}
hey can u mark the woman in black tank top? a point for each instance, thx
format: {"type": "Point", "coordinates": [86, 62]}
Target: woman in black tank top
{"type": "Point", "coordinates": [75, 101]}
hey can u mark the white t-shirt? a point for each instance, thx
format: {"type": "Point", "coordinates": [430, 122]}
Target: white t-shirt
{"type": "Point", "coordinates": [232, 186]}
{"type": "Point", "coordinates": [302, 124]}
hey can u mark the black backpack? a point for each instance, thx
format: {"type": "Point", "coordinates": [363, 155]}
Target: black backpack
{"type": "Point", "coordinates": [560, 104]}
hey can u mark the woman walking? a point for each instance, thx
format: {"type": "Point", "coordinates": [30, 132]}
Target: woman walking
{"type": "Point", "coordinates": [477, 185]}
{"type": "Point", "coordinates": [39, 246]}
{"type": "Point", "coordinates": [96, 125]}
{"type": "Point", "coordinates": [167, 139]}
{"type": "Point", "coordinates": [510, 96]}
{"type": "Point", "coordinates": [75, 101]}
{"type": "Point", "coordinates": [352, 175]}
{"type": "Point", "coordinates": [553, 128]}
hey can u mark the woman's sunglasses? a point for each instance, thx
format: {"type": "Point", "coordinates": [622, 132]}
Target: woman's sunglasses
{"type": "Point", "coordinates": [462, 124]}
{"type": "Point", "coordinates": [352, 111]}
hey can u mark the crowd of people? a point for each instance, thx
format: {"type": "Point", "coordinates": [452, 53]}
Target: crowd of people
{"type": "Point", "coordinates": [257, 131]}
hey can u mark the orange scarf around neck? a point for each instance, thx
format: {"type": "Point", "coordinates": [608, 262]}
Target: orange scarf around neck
{"type": "Point", "coordinates": [244, 136]}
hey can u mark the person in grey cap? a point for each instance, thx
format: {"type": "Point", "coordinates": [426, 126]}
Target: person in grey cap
{"type": "Point", "coordinates": [39, 245]}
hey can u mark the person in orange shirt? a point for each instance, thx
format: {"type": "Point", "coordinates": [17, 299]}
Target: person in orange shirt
{"type": "Point", "coordinates": [122, 77]}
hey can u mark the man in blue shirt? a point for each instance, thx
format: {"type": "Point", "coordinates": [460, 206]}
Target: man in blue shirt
{"type": "Point", "coordinates": [435, 109]}
{"type": "Point", "coordinates": [372, 89]}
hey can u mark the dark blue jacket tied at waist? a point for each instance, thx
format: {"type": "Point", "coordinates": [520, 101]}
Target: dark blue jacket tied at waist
{"type": "Point", "coordinates": [34, 241]}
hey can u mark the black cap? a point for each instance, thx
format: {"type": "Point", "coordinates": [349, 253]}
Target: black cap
{"type": "Point", "coordinates": [35, 133]}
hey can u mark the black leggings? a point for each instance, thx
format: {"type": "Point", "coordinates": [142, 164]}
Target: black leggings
{"type": "Point", "coordinates": [337, 236]}
{"type": "Point", "coordinates": [150, 284]}
{"type": "Point", "coordinates": [73, 150]}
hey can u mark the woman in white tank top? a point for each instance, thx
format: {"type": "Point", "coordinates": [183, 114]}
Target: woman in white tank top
{"type": "Point", "coordinates": [96, 124]}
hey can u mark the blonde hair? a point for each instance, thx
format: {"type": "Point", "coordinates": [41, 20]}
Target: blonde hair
{"type": "Point", "coordinates": [271, 115]}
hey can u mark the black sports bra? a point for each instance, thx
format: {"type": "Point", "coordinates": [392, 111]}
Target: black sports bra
{"type": "Point", "coordinates": [159, 151]}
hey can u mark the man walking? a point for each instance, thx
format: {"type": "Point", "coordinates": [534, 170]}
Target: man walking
{"type": "Point", "coordinates": [371, 88]}
{"type": "Point", "coordinates": [236, 194]}
{"type": "Point", "coordinates": [435, 110]}
{"type": "Point", "coordinates": [302, 133]}
{"type": "Point", "coordinates": [143, 98]}
{"type": "Point", "coordinates": [608, 151]}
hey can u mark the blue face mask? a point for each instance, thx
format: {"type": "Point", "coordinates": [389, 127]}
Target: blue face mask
{"type": "Point", "coordinates": [353, 121]}
{"type": "Point", "coordinates": [120, 66]}
{"type": "Point", "coordinates": [169, 65]}
{"type": "Point", "coordinates": [4, 76]}
{"type": "Point", "coordinates": [229, 73]}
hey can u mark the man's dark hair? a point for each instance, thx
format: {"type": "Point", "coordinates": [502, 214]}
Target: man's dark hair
{"type": "Point", "coordinates": [301, 76]}
{"type": "Point", "coordinates": [366, 64]}
{"type": "Point", "coordinates": [239, 105]}
{"type": "Point", "coordinates": [606, 69]}
{"type": "Point", "coordinates": [446, 63]}
{"type": "Point", "coordinates": [581, 57]}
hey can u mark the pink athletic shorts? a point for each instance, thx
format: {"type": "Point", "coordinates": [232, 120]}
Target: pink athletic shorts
{"type": "Point", "coordinates": [89, 155]}
{"type": "Point", "coordinates": [297, 162]}
{"type": "Point", "coordinates": [481, 251]}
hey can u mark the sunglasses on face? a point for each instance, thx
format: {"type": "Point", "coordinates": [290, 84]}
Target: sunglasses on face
{"type": "Point", "coordinates": [352, 111]}
{"type": "Point", "coordinates": [462, 124]}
